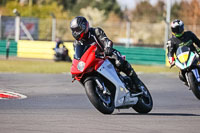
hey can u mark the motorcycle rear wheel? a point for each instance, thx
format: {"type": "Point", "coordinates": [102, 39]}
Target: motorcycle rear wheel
{"type": "Point", "coordinates": [194, 85]}
{"type": "Point", "coordinates": [145, 102]}
{"type": "Point", "coordinates": [99, 104]}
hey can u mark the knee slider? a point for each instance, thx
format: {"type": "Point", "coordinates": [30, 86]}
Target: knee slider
{"type": "Point", "coordinates": [118, 63]}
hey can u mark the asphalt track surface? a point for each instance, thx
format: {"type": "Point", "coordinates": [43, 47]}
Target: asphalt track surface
{"type": "Point", "coordinates": [55, 105]}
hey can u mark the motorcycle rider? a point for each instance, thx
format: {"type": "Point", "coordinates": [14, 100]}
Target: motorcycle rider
{"type": "Point", "coordinates": [86, 35]}
{"type": "Point", "coordinates": [59, 44]}
{"type": "Point", "coordinates": [61, 52]}
{"type": "Point", "coordinates": [180, 38]}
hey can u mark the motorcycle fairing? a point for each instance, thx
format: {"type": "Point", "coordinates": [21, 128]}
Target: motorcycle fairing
{"type": "Point", "coordinates": [191, 59]}
{"type": "Point", "coordinates": [183, 57]}
{"type": "Point", "coordinates": [88, 58]}
{"type": "Point", "coordinates": [122, 95]}
{"type": "Point", "coordinates": [196, 74]}
{"type": "Point", "coordinates": [184, 60]}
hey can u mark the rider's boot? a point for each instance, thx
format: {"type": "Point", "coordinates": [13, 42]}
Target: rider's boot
{"type": "Point", "coordinates": [129, 71]}
{"type": "Point", "coordinates": [136, 81]}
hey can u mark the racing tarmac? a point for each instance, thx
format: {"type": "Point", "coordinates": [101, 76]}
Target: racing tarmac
{"type": "Point", "coordinates": [56, 105]}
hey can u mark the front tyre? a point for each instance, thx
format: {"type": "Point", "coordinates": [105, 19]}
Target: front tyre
{"type": "Point", "coordinates": [102, 102]}
{"type": "Point", "coordinates": [193, 85]}
{"type": "Point", "coordinates": [145, 102]}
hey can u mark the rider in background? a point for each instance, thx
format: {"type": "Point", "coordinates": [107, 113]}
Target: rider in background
{"type": "Point", "coordinates": [59, 42]}
{"type": "Point", "coordinates": [180, 38]}
{"type": "Point", "coordinates": [61, 52]}
{"type": "Point", "coordinates": [86, 35]}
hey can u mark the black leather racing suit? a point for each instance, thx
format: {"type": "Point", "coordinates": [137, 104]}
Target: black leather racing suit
{"type": "Point", "coordinates": [187, 39]}
{"type": "Point", "coordinates": [98, 35]}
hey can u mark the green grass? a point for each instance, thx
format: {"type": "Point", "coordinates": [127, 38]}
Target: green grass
{"type": "Point", "coordinates": [20, 65]}
{"type": "Point", "coordinates": [154, 69]}
{"type": "Point", "coordinates": [33, 66]}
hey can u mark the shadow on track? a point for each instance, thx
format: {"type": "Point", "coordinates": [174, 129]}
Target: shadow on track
{"type": "Point", "coordinates": [160, 114]}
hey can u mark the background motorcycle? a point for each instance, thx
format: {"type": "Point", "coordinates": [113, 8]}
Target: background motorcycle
{"type": "Point", "coordinates": [105, 87]}
{"type": "Point", "coordinates": [188, 62]}
{"type": "Point", "coordinates": [61, 54]}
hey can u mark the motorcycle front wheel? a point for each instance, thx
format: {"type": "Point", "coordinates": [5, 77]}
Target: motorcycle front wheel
{"type": "Point", "coordinates": [145, 102]}
{"type": "Point", "coordinates": [102, 102]}
{"type": "Point", "coordinates": [194, 85]}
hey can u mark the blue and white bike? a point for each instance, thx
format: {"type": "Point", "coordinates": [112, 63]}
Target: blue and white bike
{"type": "Point", "coordinates": [188, 62]}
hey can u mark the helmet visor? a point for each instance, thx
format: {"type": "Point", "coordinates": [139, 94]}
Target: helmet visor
{"type": "Point", "coordinates": [176, 30]}
{"type": "Point", "coordinates": [78, 29]}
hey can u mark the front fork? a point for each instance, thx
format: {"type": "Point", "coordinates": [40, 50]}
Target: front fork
{"type": "Point", "coordinates": [196, 74]}
{"type": "Point", "coordinates": [186, 76]}
{"type": "Point", "coordinates": [102, 87]}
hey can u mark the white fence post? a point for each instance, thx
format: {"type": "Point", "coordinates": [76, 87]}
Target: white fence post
{"type": "Point", "coordinates": [17, 28]}
{"type": "Point", "coordinates": [53, 27]}
{"type": "Point", "coordinates": [128, 33]}
{"type": "Point", "coordinates": [17, 25]}
{"type": "Point", "coordinates": [167, 22]}
{"type": "Point", "coordinates": [0, 27]}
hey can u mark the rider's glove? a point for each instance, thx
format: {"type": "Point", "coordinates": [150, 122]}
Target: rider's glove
{"type": "Point", "coordinates": [198, 51]}
{"type": "Point", "coordinates": [171, 60]}
{"type": "Point", "coordinates": [108, 51]}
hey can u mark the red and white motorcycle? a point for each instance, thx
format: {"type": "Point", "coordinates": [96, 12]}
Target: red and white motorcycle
{"type": "Point", "coordinates": [105, 87]}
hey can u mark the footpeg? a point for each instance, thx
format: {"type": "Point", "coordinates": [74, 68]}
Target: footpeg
{"type": "Point", "coordinates": [136, 94]}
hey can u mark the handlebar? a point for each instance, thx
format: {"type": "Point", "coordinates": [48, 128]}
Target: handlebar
{"type": "Point", "coordinates": [100, 55]}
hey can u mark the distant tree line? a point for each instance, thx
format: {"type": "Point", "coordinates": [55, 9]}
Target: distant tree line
{"type": "Point", "coordinates": [188, 11]}
{"type": "Point", "coordinates": [36, 8]}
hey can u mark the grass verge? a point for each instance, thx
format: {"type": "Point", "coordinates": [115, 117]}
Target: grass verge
{"type": "Point", "coordinates": [20, 65]}
{"type": "Point", "coordinates": [33, 66]}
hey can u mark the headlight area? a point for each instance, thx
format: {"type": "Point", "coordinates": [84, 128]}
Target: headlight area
{"type": "Point", "coordinates": [81, 66]}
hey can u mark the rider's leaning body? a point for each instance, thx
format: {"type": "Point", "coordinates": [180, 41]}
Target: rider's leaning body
{"type": "Point", "coordinates": [180, 38]}
{"type": "Point", "coordinates": [86, 35]}
{"type": "Point", "coordinates": [95, 35]}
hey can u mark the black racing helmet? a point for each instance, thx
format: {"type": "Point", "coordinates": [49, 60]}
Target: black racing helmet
{"type": "Point", "coordinates": [79, 26]}
{"type": "Point", "coordinates": [177, 27]}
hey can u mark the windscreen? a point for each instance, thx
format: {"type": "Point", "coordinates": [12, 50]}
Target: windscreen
{"type": "Point", "coordinates": [80, 50]}
{"type": "Point", "coordinates": [182, 50]}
